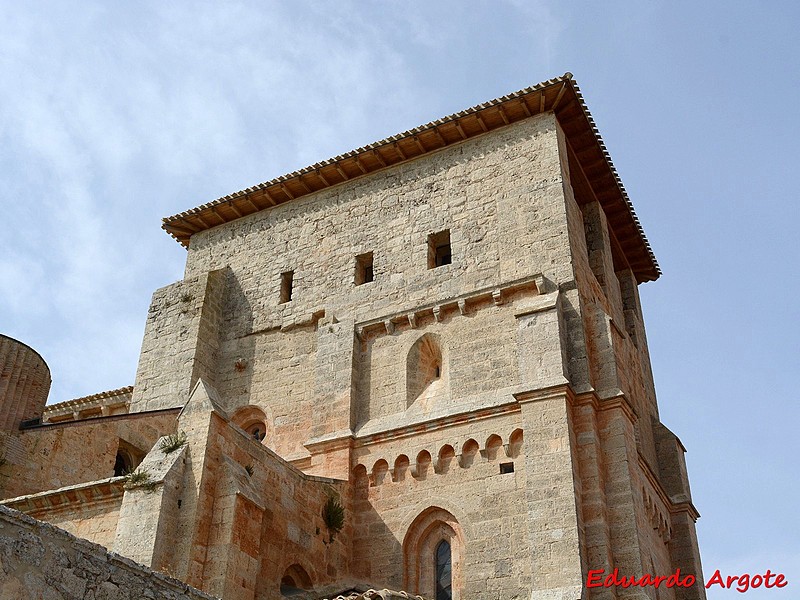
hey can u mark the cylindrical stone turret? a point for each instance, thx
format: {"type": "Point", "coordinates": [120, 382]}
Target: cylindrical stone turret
{"type": "Point", "coordinates": [24, 383]}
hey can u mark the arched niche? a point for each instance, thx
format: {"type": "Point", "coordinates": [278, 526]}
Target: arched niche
{"type": "Point", "coordinates": [515, 443]}
{"type": "Point", "coordinates": [360, 479]}
{"type": "Point", "coordinates": [468, 453]}
{"type": "Point", "coordinates": [426, 372]}
{"type": "Point", "coordinates": [401, 465]}
{"type": "Point", "coordinates": [379, 472]}
{"type": "Point", "coordinates": [422, 465]}
{"type": "Point", "coordinates": [446, 456]}
{"type": "Point", "coordinates": [493, 446]}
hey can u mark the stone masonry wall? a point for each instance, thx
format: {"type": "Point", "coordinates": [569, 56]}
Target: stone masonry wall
{"type": "Point", "coordinates": [89, 510]}
{"type": "Point", "coordinates": [38, 560]}
{"type": "Point", "coordinates": [478, 355]}
{"type": "Point", "coordinates": [227, 515]}
{"type": "Point", "coordinates": [180, 342]}
{"type": "Point", "coordinates": [24, 383]}
{"type": "Point", "coordinates": [500, 197]}
{"type": "Point", "coordinates": [626, 514]}
{"type": "Point", "coordinates": [69, 453]}
{"type": "Point", "coordinates": [394, 484]}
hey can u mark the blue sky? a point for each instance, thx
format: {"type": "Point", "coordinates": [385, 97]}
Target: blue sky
{"type": "Point", "coordinates": [113, 116]}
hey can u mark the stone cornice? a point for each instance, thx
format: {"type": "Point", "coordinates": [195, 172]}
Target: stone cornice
{"type": "Point", "coordinates": [68, 497]}
{"type": "Point", "coordinates": [411, 317]}
{"type": "Point", "coordinates": [674, 507]}
{"type": "Point", "coordinates": [414, 429]}
{"type": "Point", "coordinates": [89, 420]}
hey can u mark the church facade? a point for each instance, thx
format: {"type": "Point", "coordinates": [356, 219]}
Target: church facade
{"type": "Point", "coordinates": [419, 366]}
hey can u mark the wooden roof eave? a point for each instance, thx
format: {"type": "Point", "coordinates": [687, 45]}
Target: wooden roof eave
{"type": "Point", "coordinates": [380, 155]}
{"type": "Point", "coordinates": [560, 95]}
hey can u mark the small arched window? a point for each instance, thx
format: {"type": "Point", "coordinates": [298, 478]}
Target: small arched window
{"type": "Point", "coordinates": [123, 464]}
{"type": "Point", "coordinates": [444, 575]}
{"type": "Point", "coordinates": [127, 459]}
{"type": "Point", "coordinates": [253, 421]}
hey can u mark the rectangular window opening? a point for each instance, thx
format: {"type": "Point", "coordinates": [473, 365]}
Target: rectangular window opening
{"type": "Point", "coordinates": [506, 468]}
{"type": "Point", "coordinates": [286, 286]}
{"type": "Point", "coordinates": [365, 272]}
{"type": "Point", "coordinates": [439, 253]}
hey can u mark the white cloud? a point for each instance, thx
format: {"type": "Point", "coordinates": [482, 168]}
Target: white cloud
{"type": "Point", "coordinates": [113, 118]}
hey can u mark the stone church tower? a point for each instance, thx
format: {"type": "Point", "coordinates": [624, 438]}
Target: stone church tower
{"type": "Point", "coordinates": [438, 335]}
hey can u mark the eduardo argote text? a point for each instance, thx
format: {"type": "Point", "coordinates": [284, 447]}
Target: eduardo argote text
{"type": "Point", "coordinates": [599, 578]}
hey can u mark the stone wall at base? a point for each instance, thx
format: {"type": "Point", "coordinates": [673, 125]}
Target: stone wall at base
{"type": "Point", "coordinates": [38, 560]}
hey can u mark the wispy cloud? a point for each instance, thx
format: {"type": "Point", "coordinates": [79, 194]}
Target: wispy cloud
{"type": "Point", "coordinates": [112, 118]}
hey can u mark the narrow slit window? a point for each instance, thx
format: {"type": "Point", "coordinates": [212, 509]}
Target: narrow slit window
{"type": "Point", "coordinates": [287, 280]}
{"type": "Point", "coordinates": [506, 468]}
{"type": "Point", "coordinates": [365, 272]}
{"type": "Point", "coordinates": [439, 253]}
{"type": "Point", "coordinates": [444, 575]}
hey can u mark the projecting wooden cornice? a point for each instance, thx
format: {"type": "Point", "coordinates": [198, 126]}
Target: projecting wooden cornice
{"type": "Point", "coordinates": [560, 95]}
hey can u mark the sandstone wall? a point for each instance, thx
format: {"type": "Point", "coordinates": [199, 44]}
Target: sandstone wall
{"type": "Point", "coordinates": [24, 383]}
{"type": "Point", "coordinates": [89, 510]}
{"type": "Point", "coordinates": [180, 342]}
{"type": "Point", "coordinates": [627, 514]}
{"type": "Point", "coordinates": [394, 484]}
{"type": "Point", "coordinates": [501, 199]}
{"type": "Point", "coordinates": [42, 561]}
{"type": "Point", "coordinates": [64, 454]}
{"type": "Point", "coordinates": [229, 516]}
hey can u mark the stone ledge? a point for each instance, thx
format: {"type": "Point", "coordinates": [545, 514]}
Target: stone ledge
{"type": "Point", "coordinates": [93, 491]}
{"type": "Point", "coordinates": [410, 317]}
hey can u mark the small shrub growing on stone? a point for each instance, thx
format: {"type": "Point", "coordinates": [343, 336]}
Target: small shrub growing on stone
{"type": "Point", "coordinates": [172, 442]}
{"type": "Point", "coordinates": [333, 515]}
{"type": "Point", "coordinates": [139, 478]}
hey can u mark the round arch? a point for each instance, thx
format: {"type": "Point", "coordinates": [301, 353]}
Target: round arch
{"type": "Point", "coordinates": [295, 579]}
{"type": "Point", "coordinates": [254, 422]}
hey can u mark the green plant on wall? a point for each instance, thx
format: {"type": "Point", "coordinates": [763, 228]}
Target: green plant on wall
{"type": "Point", "coordinates": [172, 442]}
{"type": "Point", "coordinates": [140, 478]}
{"type": "Point", "coordinates": [333, 515]}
